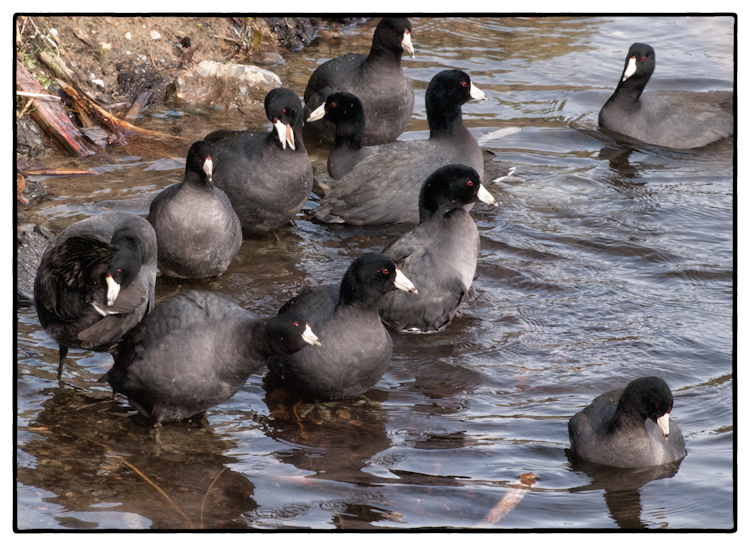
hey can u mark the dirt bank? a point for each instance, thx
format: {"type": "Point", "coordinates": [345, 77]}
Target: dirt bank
{"type": "Point", "coordinates": [118, 60]}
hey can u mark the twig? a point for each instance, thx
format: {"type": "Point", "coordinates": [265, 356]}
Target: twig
{"type": "Point", "coordinates": [43, 96]}
{"type": "Point", "coordinates": [203, 504]}
{"type": "Point", "coordinates": [111, 122]}
{"type": "Point", "coordinates": [25, 108]}
{"type": "Point", "coordinates": [509, 501]}
{"type": "Point", "coordinates": [141, 474]}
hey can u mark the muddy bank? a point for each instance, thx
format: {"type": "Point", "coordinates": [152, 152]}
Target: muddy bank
{"type": "Point", "coordinates": [119, 61]}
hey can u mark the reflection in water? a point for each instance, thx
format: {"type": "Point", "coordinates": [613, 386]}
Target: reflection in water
{"type": "Point", "coordinates": [334, 440]}
{"type": "Point", "coordinates": [622, 489]}
{"type": "Point", "coordinates": [97, 459]}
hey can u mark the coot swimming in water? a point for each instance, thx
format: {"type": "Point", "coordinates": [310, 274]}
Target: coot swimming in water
{"type": "Point", "coordinates": [377, 79]}
{"type": "Point", "coordinates": [674, 119]}
{"type": "Point", "coordinates": [439, 255]}
{"type": "Point", "coordinates": [355, 347]}
{"type": "Point", "coordinates": [384, 187]}
{"type": "Point", "coordinates": [628, 427]}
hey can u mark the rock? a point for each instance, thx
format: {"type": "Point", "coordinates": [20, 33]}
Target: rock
{"type": "Point", "coordinates": [225, 84]}
{"type": "Point", "coordinates": [29, 140]}
{"type": "Point", "coordinates": [31, 242]}
{"type": "Point", "coordinates": [267, 58]}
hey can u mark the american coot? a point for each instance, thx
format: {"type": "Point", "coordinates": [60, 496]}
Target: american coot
{"type": "Point", "coordinates": [384, 187]}
{"type": "Point", "coordinates": [195, 351]}
{"type": "Point", "coordinates": [628, 428]}
{"type": "Point", "coordinates": [440, 254]}
{"type": "Point", "coordinates": [377, 79]}
{"type": "Point", "coordinates": [346, 112]}
{"type": "Point", "coordinates": [674, 119]}
{"type": "Point", "coordinates": [96, 281]}
{"type": "Point", "coordinates": [197, 230]}
{"type": "Point", "coordinates": [356, 348]}
{"type": "Point", "coordinates": [267, 176]}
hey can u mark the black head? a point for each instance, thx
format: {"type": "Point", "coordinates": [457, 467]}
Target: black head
{"type": "Point", "coordinates": [449, 187]}
{"type": "Point", "coordinates": [126, 261]}
{"type": "Point", "coordinates": [288, 333]}
{"type": "Point", "coordinates": [284, 110]}
{"type": "Point", "coordinates": [394, 34]}
{"type": "Point", "coordinates": [283, 104]}
{"type": "Point", "coordinates": [649, 396]}
{"type": "Point", "coordinates": [125, 264]}
{"type": "Point", "coordinates": [447, 92]}
{"type": "Point", "coordinates": [639, 65]}
{"type": "Point", "coordinates": [344, 108]}
{"type": "Point", "coordinates": [199, 167]}
{"type": "Point", "coordinates": [369, 278]}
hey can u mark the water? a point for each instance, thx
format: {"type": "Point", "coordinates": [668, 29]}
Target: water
{"type": "Point", "coordinates": [603, 263]}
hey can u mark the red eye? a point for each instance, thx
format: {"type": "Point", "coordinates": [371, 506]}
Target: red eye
{"type": "Point", "coordinates": [643, 59]}
{"type": "Point", "coordinates": [657, 406]}
{"type": "Point", "coordinates": [119, 271]}
{"type": "Point", "coordinates": [385, 271]}
{"type": "Point", "coordinates": [296, 323]}
{"type": "Point", "coordinates": [333, 105]}
{"type": "Point", "coordinates": [284, 111]}
{"type": "Point", "coordinates": [470, 182]}
{"type": "Point", "coordinates": [395, 31]}
{"type": "Point", "coordinates": [464, 84]}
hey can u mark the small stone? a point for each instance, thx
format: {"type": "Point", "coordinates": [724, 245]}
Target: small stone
{"type": "Point", "coordinates": [100, 83]}
{"type": "Point", "coordinates": [128, 36]}
{"type": "Point", "coordinates": [53, 31]}
{"type": "Point", "coordinates": [155, 35]}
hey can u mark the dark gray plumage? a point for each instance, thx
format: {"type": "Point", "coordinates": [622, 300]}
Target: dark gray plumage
{"type": "Point", "coordinates": [96, 281]}
{"type": "Point", "coordinates": [197, 230]}
{"type": "Point", "coordinates": [355, 347]}
{"type": "Point", "coordinates": [628, 428]}
{"type": "Point", "coordinates": [384, 187]}
{"type": "Point", "coordinates": [377, 79]}
{"type": "Point", "coordinates": [439, 255]}
{"type": "Point", "coordinates": [195, 351]}
{"type": "Point", "coordinates": [267, 176]}
{"type": "Point", "coordinates": [674, 119]}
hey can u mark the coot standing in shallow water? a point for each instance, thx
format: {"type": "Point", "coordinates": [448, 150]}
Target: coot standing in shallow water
{"type": "Point", "coordinates": [267, 176]}
{"type": "Point", "coordinates": [439, 255]}
{"type": "Point", "coordinates": [346, 112]}
{"type": "Point", "coordinates": [355, 347]}
{"type": "Point", "coordinates": [628, 428]}
{"type": "Point", "coordinates": [377, 79]}
{"type": "Point", "coordinates": [674, 119]}
{"type": "Point", "coordinates": [384, 187]}
{"type": "Point", "coordinates": [96, 281]}
{"type": "Point", "coordinates": [195, 351]}
{"type": "Point", "coordinates": [197, 231]}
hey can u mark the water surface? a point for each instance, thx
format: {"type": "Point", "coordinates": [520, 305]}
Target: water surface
{"type": "Point", "coordinates": [604, 262]}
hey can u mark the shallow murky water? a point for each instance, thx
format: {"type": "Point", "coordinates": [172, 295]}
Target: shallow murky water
{"type": "Point", "coordinates": [603, 263]}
